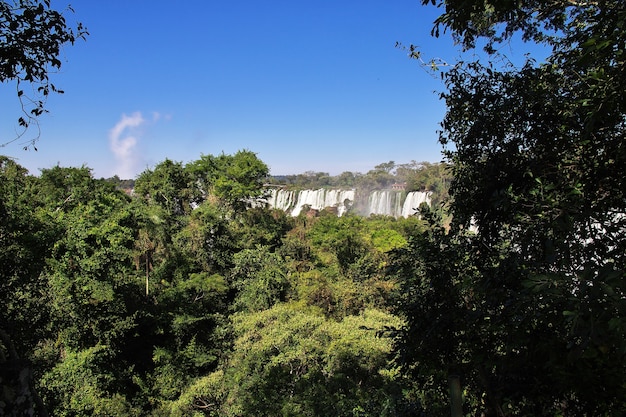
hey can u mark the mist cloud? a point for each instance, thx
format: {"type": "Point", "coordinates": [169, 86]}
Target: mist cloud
{"type": "Point", "coordinates": [123, 140]}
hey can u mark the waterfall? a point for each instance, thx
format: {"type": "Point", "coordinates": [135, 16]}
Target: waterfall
{"type": "Point", "coordinates": [322, 198]}
{"type": "Point", "coordinates": [387, 203]}
{"type": "Point", "coordinates": [282, 199]}
{"type": "Point", "coordinates": [413, 200]}
{"type": "Point", "coordinates": [383, 202]}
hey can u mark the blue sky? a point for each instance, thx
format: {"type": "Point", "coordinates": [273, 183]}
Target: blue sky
{"type": "Point", "coordinates": [307, 85]}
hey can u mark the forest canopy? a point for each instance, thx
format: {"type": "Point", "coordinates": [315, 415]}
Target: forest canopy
{"type": "Point", "coordinates": [152, 304]}
{"type": "Point", "coordinates": [185, 299]}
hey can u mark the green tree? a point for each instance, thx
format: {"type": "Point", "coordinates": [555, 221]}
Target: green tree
{"type": "Point", "coordinates": [232, 179]}
{"type": "Point", "coordinates": [82, 384]}
{"type": "Point", "coordinates": [346, 179]}
{"type": "Point", "coordinates": [534, 305]}
{"type": "Point", "coordinates": [260, 277]}
{"type": "Point", "coordinates": [387, 167]}
{"type": "Point", "coordinates": [441, 337]}
{"type": "Point", "coordinates": [288, 361]}
{"type": "Point", "coordinates": [207, 241]}
{"type": "Point", "coordinates": [430, 177]}
{"type": "Point", "coordinates": [26, 239]}
{"type": "Point", "coordinates": [31, 37]}
{"type": "Point", "coordinates": [169, 186]}
{"type": "Point", "coordinates": [341, 236]}
{"type": "Point", "coordinates": [377, 178]}
{"type": "Point", "coordinates": [92, 297]}
{"type": "Point", "coordinates": [340, 263]}
{"type": "Point", "coordinates": [187, 329]}
{"type": "Point", "coordinates": [88, 272]}
{"type": "Point", "coordinates": [65, 237]}
{"type": "Point", "coordinates": [190, 335]}
{"type": "Point", "coordinates": [63, 189]}
{"type": "Point", "coordinates": [260, 226]}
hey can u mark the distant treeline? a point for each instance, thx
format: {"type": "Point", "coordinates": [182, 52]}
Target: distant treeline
{"type": "Point", "coordinates": [412, 176]}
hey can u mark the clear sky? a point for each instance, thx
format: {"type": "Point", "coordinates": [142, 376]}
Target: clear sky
{"type": "Point", "coordinates": [307, 85]}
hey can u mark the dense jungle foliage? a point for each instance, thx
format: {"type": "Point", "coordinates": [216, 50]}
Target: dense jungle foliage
{"type": "Point", "coordinates": [522, 299]}
{"type": "Point", "coordinates": [183, 300]}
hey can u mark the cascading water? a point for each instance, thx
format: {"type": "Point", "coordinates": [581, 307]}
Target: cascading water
{"type": "Point", "coordinates": [413, 200]}
{"type": "Point", "coordinates": [383, 202]}
{"type": "Point", "coordinates": [293, 201]}
{"type": "Point", "coordinates": [322, 198]}
{"type": "Point", "coordinates": [282, 199]}
{"type": "Point", "coordinates": [387, 203]}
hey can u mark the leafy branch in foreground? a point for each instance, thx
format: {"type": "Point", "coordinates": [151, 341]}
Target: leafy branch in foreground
{"type": "Point", "coordinates": [529, 308]}
{"type": "Point", "coordinates": [31, 37]}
